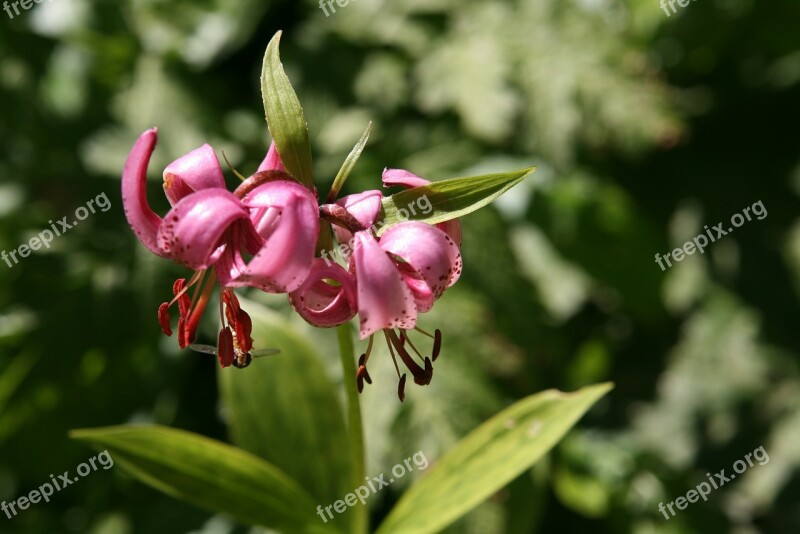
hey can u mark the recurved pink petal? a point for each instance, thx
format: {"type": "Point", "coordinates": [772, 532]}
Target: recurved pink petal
{"type": "Point", "coordinates": [384, 298]}
{"type": "Point", "coordinates": [365, 207]}
{"type": "Point", "coordinates": [402, 177]}
{"type": "Point", "coordinates": [272, 161]}
{"type": "Point", "coordinates": [286, 216]}
{"type": "Point", "coordinates": [143, 220]}
{"type": "Point", "coordinates": [432, 260]}
{"type": "Point", "coordinates": [199, 169]}
{"type": "Point", "coordinates": [323, 304]}
{"type": "Point", "coordinates": [192, 231]}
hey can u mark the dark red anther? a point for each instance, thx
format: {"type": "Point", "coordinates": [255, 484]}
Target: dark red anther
{"type": "Point", "coordinates": [230, 315]}
{"type": "Point", "coordinates": [225, 350]}
{"type": "Point", "coordinates": [184, 337]}
{"type": "Point", "coordinates": [437, 343]}
{"type": "Point", "coordinates": [184, 303]}
{"type": "Point", "coordinates": [428, 370]}
{"type": "Point", "coordinates": [363, 375]}
{"type": "Point", "coordinates": [230, 300]}
{"type": "Point", "coordinates": [163, 318]}
{"type": "Point", "coordinates": [401, 388]}
{"type": "Point", "coordinates": [244, 329]}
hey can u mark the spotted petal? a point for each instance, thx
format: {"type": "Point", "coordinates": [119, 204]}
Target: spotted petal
{"type": "Point", "coordinates": [192, 232]}
{"type": "Point", "coordinates": [142, 219]}
{"type": "Point", "coordinates": [384, 298]}
{"type": "Point", "coordinates": [431, 261]}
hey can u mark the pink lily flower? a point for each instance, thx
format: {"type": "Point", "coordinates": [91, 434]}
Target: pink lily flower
{"type": "Point", "coordinates": [209, 229]}
{"type": "Point", "coordinates": [396, 276]}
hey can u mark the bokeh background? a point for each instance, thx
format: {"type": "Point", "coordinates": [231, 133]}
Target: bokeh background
{"type": "Point", "coordinates": [645, 127]}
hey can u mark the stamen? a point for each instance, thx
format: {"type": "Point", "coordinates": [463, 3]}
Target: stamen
{"type": "Point", "coordinates": [421, 331]}
{"type": "Point", "coordinates": [421, 377]}
{"type": "Point", "coordinates": [225, 350]}
{"type": "Point", "coordinates": [183, 337]}
{"type": "Point", "coordinates": [401, 388]}
{"type": "Point", "coordinates": [369, 349]}
{"type": "Point", "coordinates": [361, 376]}
{"type": "Point", "coordinates": [404, 338]}
{"type": "Point", "coordinates": [389, 343]}
{"type": "Point", "coordinates": [163, 318]}
{"type": "Point", "coordinates": [194, 319]}
{"type": "Point", "coordinates": [179, 290]}
{"type": "Point", "coordinates": [437, 344]}
{"type": "Point", "coordinates": [244, 327]}
{"type": "Point", "coordinates": [198, 288]}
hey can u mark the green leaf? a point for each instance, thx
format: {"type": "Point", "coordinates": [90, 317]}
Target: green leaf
{"type": "Point", "coordinates": [285, 117]}
{"type": "Point", "coordinates": [284, 409]}
{"type": "Point", "coordinates": [209, 474]}
{"type": "Point", "coordinates": [450, 199]}
{"type": "Point", "coordinates": [489, 458]}
{"type": "Point", "coordinates": [349, 163]}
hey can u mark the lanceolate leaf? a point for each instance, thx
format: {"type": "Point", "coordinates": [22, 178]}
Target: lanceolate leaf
{"type": "Point", "coordinates": [208, 474]}
{"type": "Point", "coordinates": [450, 198]}
{"type": "Point", "coordinates": [285, 118]}
{"type": "Point", "coordinates": [489, 458]}
{"type": "Point", "coordinates": [349, 163]}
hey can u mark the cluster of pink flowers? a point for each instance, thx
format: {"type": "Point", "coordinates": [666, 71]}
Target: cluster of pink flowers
{"type": "Point", "coordinates": [265, 235]}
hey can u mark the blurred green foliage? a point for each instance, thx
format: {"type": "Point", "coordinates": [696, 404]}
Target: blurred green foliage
{"type": "Point", "coordinates": [644, 129]}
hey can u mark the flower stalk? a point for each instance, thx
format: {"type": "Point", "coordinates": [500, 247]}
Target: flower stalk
{"type": "Point", "coordinates": [354, 425]}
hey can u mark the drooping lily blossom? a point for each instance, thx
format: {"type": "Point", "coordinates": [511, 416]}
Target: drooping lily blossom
{"type": "Point", "coordinates": [269, 216]}
{"type": "Point", "coordinates": [397, 276]}
{"type": "Point", "coordinates": [323, 303]}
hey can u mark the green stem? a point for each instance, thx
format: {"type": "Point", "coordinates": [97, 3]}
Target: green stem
{"type": "Point", "coordinates": [354, 425]}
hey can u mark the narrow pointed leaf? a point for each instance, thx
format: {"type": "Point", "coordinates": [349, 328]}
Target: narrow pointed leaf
{"type": "Point", "coordinates": [208, 474]}
{"type": "Point", "coordinates": [285, 117]}
{"type": "Point", "coordinates": [451, 198]}
{"type": "Point", "coordinates": [284, 409]}
{"type": "Point", "coordinates": [489, 458]}
{"type": "Point", "coordinates": [349, 163]}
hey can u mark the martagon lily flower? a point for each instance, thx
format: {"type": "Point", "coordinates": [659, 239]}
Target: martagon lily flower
{"type": "Point", "coordinates": [389, 281]}
{"type": "Point", "coordinates": [269, 217]}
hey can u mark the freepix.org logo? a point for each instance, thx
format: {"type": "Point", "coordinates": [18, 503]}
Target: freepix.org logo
{"type": "Point", "coordinates": [57, 229]}
{"type": "Point", "coordinates": [26, 5]}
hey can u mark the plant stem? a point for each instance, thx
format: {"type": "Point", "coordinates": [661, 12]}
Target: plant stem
{"type": "Point", "coordinates": [354, 425]}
